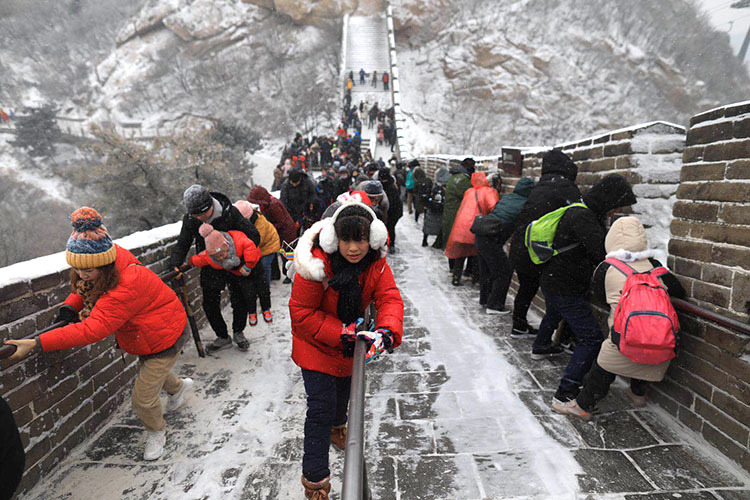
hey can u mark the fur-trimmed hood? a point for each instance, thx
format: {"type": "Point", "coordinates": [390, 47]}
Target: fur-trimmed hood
{"type": "Point", "coordinates": [322, 236]}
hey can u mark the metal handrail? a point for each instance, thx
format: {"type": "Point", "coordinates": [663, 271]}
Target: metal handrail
{"type": "Point", "coordinates": [355, 474]}
{"type": "Point", "coordinates": [688, 307]}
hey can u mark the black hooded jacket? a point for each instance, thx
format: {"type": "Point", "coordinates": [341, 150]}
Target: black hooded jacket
{"type": "Point", "coordinates": [230, 220]}
{"type": "Point", "coordinates": [570, 272]}
{"type": "Point", "coordinates": [556, 188]}
{"type": "Point", "coordinates": [297, 198]}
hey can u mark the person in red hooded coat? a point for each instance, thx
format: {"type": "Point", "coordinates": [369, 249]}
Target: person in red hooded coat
{"type": "Point", "coordinates": [276, 212]}
{"type": "Point", "coordinates": [113, 293]}
{"type": "Point", "coordinates": [340, 270]}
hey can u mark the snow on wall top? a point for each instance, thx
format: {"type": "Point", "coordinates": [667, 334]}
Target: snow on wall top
{"type": "Point", "coordinates": [714, 112]}
{"type": "Point", "coordinates": [54, 263]}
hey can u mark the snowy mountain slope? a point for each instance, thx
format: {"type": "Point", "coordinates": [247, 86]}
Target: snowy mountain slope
{"type": "Point", "coordinates": [536, 72]}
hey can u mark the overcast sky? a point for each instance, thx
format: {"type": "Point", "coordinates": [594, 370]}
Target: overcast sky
{"type": "Point", "coordinates": [733, 21]}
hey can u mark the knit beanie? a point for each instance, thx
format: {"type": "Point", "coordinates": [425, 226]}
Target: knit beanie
{"type": "Point", "coordinates": [214, 239]}
{"type": "Point", "coordinates": [89, 244]}
{"type": "Point", "coordinates": [245, 208]}
{"type": "Point", "coordinates": [197, 199]}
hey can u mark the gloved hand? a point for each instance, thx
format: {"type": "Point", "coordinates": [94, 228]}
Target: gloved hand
{"type": "Point", "coordinates": [348, 338]}
{"type": "Point", "coordinates": [380, 340]}
{"type": "Point", "coordinates": [179, 272]}
{"type": "Point", "coordinates": [67, 314]}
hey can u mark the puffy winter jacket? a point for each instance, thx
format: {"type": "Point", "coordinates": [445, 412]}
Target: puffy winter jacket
{"type": "Point", "coordinates": [144, 314]}
{"type": "Point", "coordinates": [247, 251]}
{"type": "Point", "coordinates": [230, 220]}
{"type": "Point", "coordinates": [275, 212]}
{"type": "Point", "coordinates": [478, 200]}
{"type": "Point", "coordinates": [556, 188]}
{"type": "Point", "coordinates": [511, 204]}
{"type": "Point", "coordinates": [627, 241]}
{"type": "Point", "coordinates": [569, 273]}
{"type": "Point", "coordinates": [316, 328]}
{"type": "Point", "coordinates": [296, 198]}
{"type": "Point", "coordinates": [269, 237]}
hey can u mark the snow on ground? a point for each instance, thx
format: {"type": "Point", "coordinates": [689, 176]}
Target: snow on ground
{"type": "Point", "coordinates": [49, 185]}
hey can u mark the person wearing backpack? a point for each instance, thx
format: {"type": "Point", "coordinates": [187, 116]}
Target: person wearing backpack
{"type": "Point", "coordinates": [556, 188]}
{"type": "Point", "coordinates": [566, 278]}
{"type": "Point", "coordinates": [627, 248]}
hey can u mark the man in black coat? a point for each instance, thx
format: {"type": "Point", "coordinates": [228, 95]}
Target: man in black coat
{"type": "Point", "coordinates": [395, 207]}
{"type": "Point", "coordinates": [566, 278]}
{"type": "Point", "coordinates": [556, 188]}
{"type": "Point", "coordinates": [215, 208]}
{"type": "Point", "coordinates": [297, 193]}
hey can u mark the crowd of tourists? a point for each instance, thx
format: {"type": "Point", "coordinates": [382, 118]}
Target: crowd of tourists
{"type": "Point", "coordinates": [340, 226]}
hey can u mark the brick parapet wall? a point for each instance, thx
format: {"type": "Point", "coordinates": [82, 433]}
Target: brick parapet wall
{"type": "Point", "coordinates": [60, 398]}
{"type": "Point", "coordinates": [707, 386]}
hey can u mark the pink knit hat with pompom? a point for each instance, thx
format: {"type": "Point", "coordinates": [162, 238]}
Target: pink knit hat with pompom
{"type": "Point", "coordinates": [214, 239]}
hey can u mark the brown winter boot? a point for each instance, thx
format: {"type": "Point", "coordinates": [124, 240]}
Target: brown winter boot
{"type": "Point", "coordinates": [338, 436]}
{"type": "Point", "coordinates": [317, 491]}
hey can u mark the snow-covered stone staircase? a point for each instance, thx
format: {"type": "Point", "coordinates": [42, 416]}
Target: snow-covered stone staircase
{"type": "Point", "coordinates": [367, 48]}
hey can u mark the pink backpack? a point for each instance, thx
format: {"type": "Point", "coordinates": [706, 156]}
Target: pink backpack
{"type": "Point", "coordinates": [645, 324]}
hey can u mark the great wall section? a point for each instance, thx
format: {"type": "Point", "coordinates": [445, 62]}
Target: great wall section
{"type": "Point", "coordinates": [698, 176]}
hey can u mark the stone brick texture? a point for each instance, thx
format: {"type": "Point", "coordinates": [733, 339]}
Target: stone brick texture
{"type": "Point", "coordinates": [707, 178]}
{"type": "Point", "coordinates": [59, 398]}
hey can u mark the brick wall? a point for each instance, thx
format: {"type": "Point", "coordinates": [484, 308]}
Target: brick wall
{"type": "Point", "coordinates": [60, 398]}
{"type": "Point", "coordinates": [707, 386]}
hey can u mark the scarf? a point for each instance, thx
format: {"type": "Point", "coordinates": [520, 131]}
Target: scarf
{"type": "Point", "coordinates": [346, 281]}
{"type": "Point", "coordinates": [83, 288]}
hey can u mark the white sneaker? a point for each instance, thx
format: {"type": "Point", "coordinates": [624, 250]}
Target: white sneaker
{"type": "Point", "coordinates": [155, 441]}
{"type": "Point", "coordinates": [503, 311]}
{"type": "Point", "coordinates": [176, 400]}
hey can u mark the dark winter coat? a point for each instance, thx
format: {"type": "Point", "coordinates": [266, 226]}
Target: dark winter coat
{"type": "Point", "coordinates": [433, 217]}
{"type": "Point", "coordinates": [295, 198]}
{"type": "Point", "coordinates": [275, 212]}
{"type": "Point", "coordinates": [511, 204]}
{"type": "Point", "coordinates": [328, 190]}
{"type": "Point", "coordinates": [12, 456]}
{"type": "Point", "coordinates": [230, 220]}
{"type": "Point", "coordinates": [459, 182]}
{"type": "Point", "coordinates": [316, 327]}
{"type": "Point", "coordinates": [555, 189]}
{"type": "Point", "coordinates": [142, 312]}
{"type": "Point", "coordinates": [422, 190]}
{"type": "Point", "coordinates": [569, 273]}
{"type": "Point", "coordinates": [395, 206]}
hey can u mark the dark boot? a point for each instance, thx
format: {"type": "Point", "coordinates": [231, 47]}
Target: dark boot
{"type": "Point", "coordinates": [424, 240]}
{"type": "Point", "coordinates": [338, 436]}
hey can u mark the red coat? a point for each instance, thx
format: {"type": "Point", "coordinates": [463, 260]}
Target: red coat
{"type": "Point", "coordinates": [480, 199]}
{"type": "Point", "coordinates": [316, 329]}
{"type": "Point", "coordinates": [244, 246]}
{"type": "Point", "coordinates": [144, 314]}
{"type": "Point", "coordinates": [274, 211]}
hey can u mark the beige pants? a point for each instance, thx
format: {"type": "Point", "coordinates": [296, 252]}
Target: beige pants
{"type": "Point", "coordinates": [154, 374]}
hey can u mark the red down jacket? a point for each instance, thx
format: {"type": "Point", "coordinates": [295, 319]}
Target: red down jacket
{"type": "Point", "coordinates": [275, 211]}
{"type": "Point", "coordinates": [144, 314]}
{"type": "Point", "coordinates": [246, 250]}
{"type": "Point", "coordinates": [316, 329]}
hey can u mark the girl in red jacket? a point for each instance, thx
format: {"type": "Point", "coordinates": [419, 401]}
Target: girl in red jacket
{"type": "Point", "coordinates": [114, 293]}
{"type": "Point", "coordinates": [340, 270]}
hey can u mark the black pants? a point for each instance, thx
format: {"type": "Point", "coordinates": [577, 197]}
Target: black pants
{"type": "Point", "coordinates": [391, 227]}
{"type": "Point", "coordinates": [528, 286]}
{"type": "Point", "coordinates": [275, 271]}
{"type": "Point", "coordinates": [596, 385]}
{"type": "Point", "coordinates": [12, 456]}
{"type": "Point", "coordinates": [254, 286]}
{"type": "Point", "coordinates": [494, 272]}
{"type": "Point", "coordinates": [213, 282]}
{"type": "Point", "coordinates": [457, 266]}
{"type": "Point", "coordinates": [327, 404]}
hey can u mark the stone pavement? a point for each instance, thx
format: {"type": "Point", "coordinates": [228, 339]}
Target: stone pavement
{"type": "Point", "coordinates": [459, 411]}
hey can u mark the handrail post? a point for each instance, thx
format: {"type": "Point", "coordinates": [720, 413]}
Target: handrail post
{"type": "Point", "coordinates": [354, 486]}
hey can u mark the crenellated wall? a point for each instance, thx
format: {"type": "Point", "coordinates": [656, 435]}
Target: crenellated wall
{"type": "Point", "coordinates": [60, 398]}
